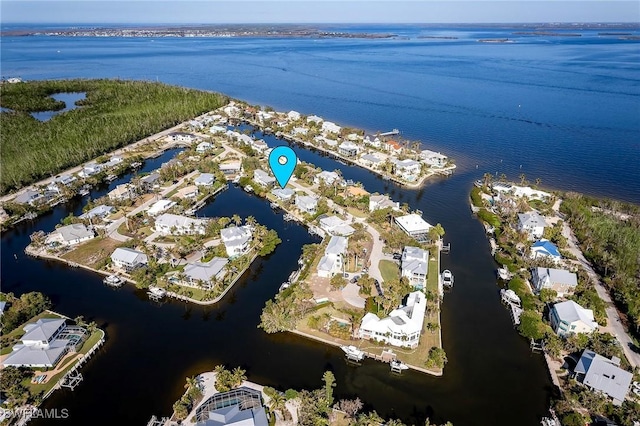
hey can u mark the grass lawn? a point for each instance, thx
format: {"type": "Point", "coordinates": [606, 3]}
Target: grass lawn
{"type": "Point", "coordinates": [389, 270]}
{"type": "Point", "coordinates": [93, 251]}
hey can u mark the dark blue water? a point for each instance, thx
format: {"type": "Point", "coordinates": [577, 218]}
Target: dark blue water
{"type": "Point", "coordinates": [564, 109]}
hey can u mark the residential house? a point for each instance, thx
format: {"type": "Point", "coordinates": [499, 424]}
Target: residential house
{"type": "Point", "coordinates": [603, 375]}
{"type": "Point", "coordinates": [70, 235]}
{"type": "Point", "coordinates": [205, 179]}
{"type": "Point", "coordinates": [382, 202]}
{"type": "Point", "coordinates": [160, 206]}
{"type": "Point", "coordinates": [327, 177]}
{"type": "Point", "coordinates": [43, 344]}
{"type": "Point", "coordinates": [433, 159]}
{"type": "Point", "coordinates": [100, 211]}
{"type": "Point", "coordinates": [262, 178]}
{"type": "Point", "coordinates": [401, 328]}
{"type": "Point", "coordinates": [293, 115]}
{"type": "Point", "coordinates": [283, 194]}
{"type": "Point", "coordinates": [329, 127]}
{"type": "Point", "coordinates": [203, 147]}
{"type": "Point", "coordinates": [90, 170]}
{"type": "Point", "coordinates": [206, 273]}
{"type": "Point", "coordinates": [333, 225]}
{"type": "Point", "coordinates": [306, 204]}
{"type": "Point", "coordinates": [392, 146]}
{"type": "Point", "coordinates": [150, 182]}
{"type": "Point", "coordinates": [407, 169]}
{"type": "Point", "coordinates": [531, 223]}
{"type": "Point", "coordinates": [236, 239]}
{"type": "Point", "coordinates": [371, 160]}
{"type": "Point", "coordinates": [314, 119]}
{"type": "Point", "coordinates": [373, 140]}
{"type": "Point", "coordinates": [348, 149]}
{"type": "Point", "coordinates": [569, 318]}
{"type": "Point", "coordinates": [128, 259]}
{"type": "Point", "coordinates": [332, 261]}
{"type": "Point", "coordinates": [545, 249]}
{"type": "Point", "coordinates": [560, 280]}
{"type": "Point", "coordinates": [414, 226]}
{"type": "Point", "coordinates": [28, 197]}
{"type": "Point", "coordinates": [415, 265]}
{"type": "Point", "coordinates": [122, 192]}
{"type": "Point", "coordinates": [238, 407]}
{"type": "Point", "coordinates": [173, 224]}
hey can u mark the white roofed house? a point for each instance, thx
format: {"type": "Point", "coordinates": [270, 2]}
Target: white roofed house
{"type": "Point", "coordinates": [205, 179]}
{"type": "Point", "coordinates": [401, 328]}
{"type": "Point", "coordinates": [327, 177]}
{"type": "Point", "coordinates": [348, 149]}
{"type": "Point", "coordinates": [42, 346]}
{"type": "Point", "coordinates": [531, 223]}
{"type": "Point", "coordinates": [172, 224]}
{"type": "Point", "coordinates": [371, 160]}
{"type": "Point", "coordinates": [70, 235]}
{"type": "Point", "coordinates": [382, 202]}
{"type": "Point", "coordinates": [206, 273]}
{"type": "Point", "coordinates": [414, 226]}
{"type": "Point", "coordinates": [306, 204]}
{"type": "Point", "coordinates": [329, 127]}
{"type": "Point", "coordinates": [603, 375]}
{"type": "Point", "coordinates": [333, 225]}
{"type": "Point", "coordinates": [293, 115]}
{"type": "Point", "coordinates": [262, 178]}
{"type": "Point", "coordinates": [569, 318]}
{"type": "Point", "coordinates": [332, 261]}
{"type": "Point", "coordinates": [203, 147]}
{"type": "Point", "coordinates": [122, 192]}
{"type": "Point", "coordinates": [128, 259]}
{"type": "Point", "coordinates": [236, 239]}
{"type": "Point", "coordinates": [433, 159]}
{"type": "Point", "coordinates": [415, 265]}
{"type": "Point", "coordinates": [407, 169]}
{"type": "Point", "coordinates": [560, 280]}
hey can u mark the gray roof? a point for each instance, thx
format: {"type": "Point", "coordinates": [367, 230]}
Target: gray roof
{"type": "Point", "coordinates": [74, 231]}
{"type": "Point", "coordinates": [561, 276]}
{"type": "Point", "coordinates": [531, 219]}
{"type": "Point", "coordinates": [102, 210]}
{"type": "Point", "coordinates": [570, 311]}
{"type": "Point", "coordinates": [42, 330]}
{"type": "Point", "coordinates": [205, 271]}
{"type": "Point", "coordinates": [127, 255]}
{"type": "Point", "coordinates": [604, 375]}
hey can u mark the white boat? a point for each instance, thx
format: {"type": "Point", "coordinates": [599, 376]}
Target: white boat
{"type": "Point", "coordinates": [113, 280]}
{"type": "Point", "coordinates": [447, 278]}
{"type": "Point", "coordinates": [510, 296]}
{"type": "Point", "coordinates": [398, 366]}
{"type": "Point", "coordinates": [353, 353]}
{"type": "Point", "coordinates": [156, 292]}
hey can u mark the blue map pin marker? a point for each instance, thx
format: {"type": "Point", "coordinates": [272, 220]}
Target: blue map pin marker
{"type": "Point", "coordinates": [282, 161]}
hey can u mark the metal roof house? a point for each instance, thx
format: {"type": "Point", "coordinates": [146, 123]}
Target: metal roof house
{"type": "Point", "coordinates": [128, 259]}
{"type": "Point", "coordinates": [602, 374]}
{"type": "Point", "coordinates": [70, 235]}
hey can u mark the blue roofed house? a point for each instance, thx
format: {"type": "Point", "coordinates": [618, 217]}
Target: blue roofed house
{"type": "Point", "coordinates": [603, 375]}
{"type": "Point", "coordinates": [545, 249]}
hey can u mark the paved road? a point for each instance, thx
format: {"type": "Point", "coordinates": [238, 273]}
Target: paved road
{"type": "Point", "coordinates": [614, 325]}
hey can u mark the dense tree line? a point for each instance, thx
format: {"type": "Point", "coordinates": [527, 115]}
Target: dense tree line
{"type": "Point", "coordinates": [115, 113]}
{"type": "Point", "coordinates": [609, 236]}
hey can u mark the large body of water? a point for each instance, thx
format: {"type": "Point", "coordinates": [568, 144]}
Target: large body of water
{"type": "Point", "coordinates": [564, 109]}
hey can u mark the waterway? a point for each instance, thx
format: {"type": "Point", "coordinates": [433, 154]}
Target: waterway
{"type": "Point", "coordinates": [563, 110]}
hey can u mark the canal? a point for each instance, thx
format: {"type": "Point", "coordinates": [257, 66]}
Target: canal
{"type": "Point", "coordinates": [491, 377]}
